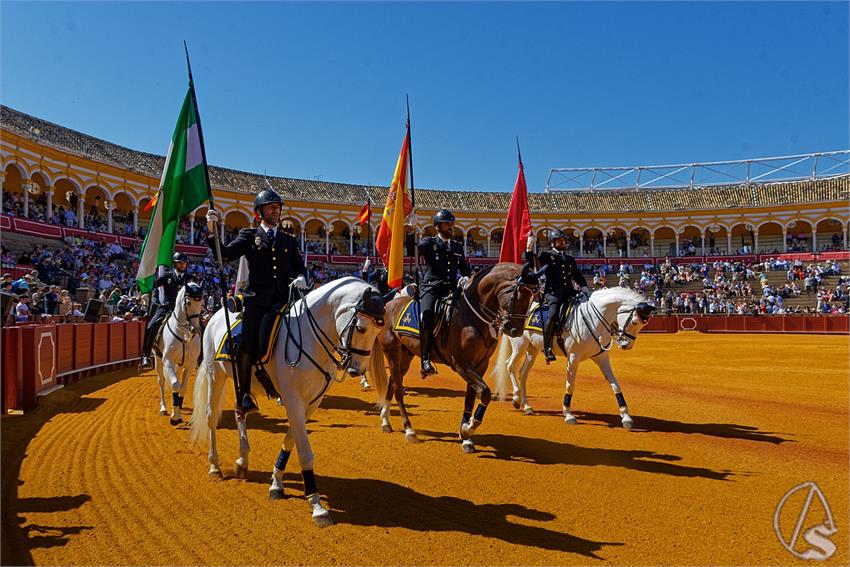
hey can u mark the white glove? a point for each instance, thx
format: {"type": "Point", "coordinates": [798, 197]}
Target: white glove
{"type": "Point", "coordinates": [532, 240]}
{"type": "Point", "coordinates": [366, 264]}
{"type": "Point", "coordinates": [300, 282]}
{"type": "Point", "coordinates": [212, 218]}
{"type": "Point", "coordinates": [463, 281]}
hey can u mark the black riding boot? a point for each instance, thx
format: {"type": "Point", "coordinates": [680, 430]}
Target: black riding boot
{"type": "Point", "coordinates": [245, 367]}
{"type": "Point", "coordinates": [425, 336]}
{"type": "Point", "coordinates": [146, 362]}
{"type": "Point", "coordinates": [548, 332]}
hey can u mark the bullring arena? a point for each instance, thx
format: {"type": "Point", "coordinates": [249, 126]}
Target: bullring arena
{"type": "Point", "coordinates": [731, 411]}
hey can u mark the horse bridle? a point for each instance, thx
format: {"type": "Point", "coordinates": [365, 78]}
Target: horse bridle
{"type": "Point", "coordinates": [613, 329]}
{"type": "Point", "coordinates": [501, 318]}
{"type": "Point", "coordinates": [180, 326]}
{"type": "Point", "coordinates": [340, 354]}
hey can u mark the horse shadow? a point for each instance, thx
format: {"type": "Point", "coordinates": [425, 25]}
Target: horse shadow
{"type": "Point", "coordinates": [721, 430]}
{"type": "Point", "coordinates": [255, 421]}
{"type": "Point", "coordinates": [545, 452]}
{"type": "Point", "coordinates": [372, 502]}
{"type": "Point", "coordinates": [348, 403]}
{"type": "Point", "coordinates": [37, 536]}
{"type": "Point", "coordinates": [434, 392]}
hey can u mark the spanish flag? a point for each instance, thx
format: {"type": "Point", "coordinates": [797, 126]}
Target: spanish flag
{"type": "Point", "coordinates": [365, 214]}
{"type": "Point", "coordinates": [390, 241]}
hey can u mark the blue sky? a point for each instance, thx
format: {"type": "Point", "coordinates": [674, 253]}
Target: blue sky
{"type": "Point", "coordinates": [316, 90]}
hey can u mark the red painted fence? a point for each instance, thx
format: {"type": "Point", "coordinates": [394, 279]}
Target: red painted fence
{"type": "Point", "coordinates": [37, 358]}
{"type": "Point", "coordinates": [832, 324]}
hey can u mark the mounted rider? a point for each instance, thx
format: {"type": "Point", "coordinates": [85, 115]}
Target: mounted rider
{"type": "Point", "coordinates": [561, 272]}
{"type": "Point", "coordinates": [274, 263]}
{"type": "Point", "coordinates": [443, 258]}
{"type": "Point", "coordinates": [163, 296]}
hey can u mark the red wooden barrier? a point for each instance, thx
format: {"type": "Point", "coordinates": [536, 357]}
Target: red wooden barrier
{"type": "Point", "coordinates": [83, 335]}
{"type": "Point", "coordinates": [100, 343]}
{"type": "Point", "coordinates": [133, 339]}
{"type": "Point", "coordinates": [65, 346]}
{"type": "Point", "coordinates": [12, 371]}
{"type": "Point", "coordinates": [116, 341]}
{"type": "Point", "coordinates": [39, 361]}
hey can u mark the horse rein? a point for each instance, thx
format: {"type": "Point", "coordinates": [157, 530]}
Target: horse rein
{"type": "Point", "coordinates": [501, 318]}
{"type": "Point", "coordinates": [181, 326]}
{"type": "Point", "coordinates": [613, 329]}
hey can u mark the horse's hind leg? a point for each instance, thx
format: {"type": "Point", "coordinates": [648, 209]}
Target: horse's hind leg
{"type": "Point", "coordinates": [409, 432]}
{"type": "Point", "coordinates": [466, 438]}
{"type": "Point", "coordinates": [604, 363]}
{"type": "Point", "coordinates": [216, 384]}
{"type": "Point", "coordinates": [276, 488]}
{"type": "Point", "coordinates": [527, 365]}
{"type": "Point", "coordinates": [240, 469]}
{"type": "Point", "coordinates": [176, 400]}
{"type": "Point", "coordinates": [386, 426]}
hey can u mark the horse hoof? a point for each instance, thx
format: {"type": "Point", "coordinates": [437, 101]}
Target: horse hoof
{"type": "Point", "coordinates": [163, 412]}
{"type": "Point", "coordinates": [216, 475]}
{"type": "Point", "coordinates": [177, 421]}
{"type": "Point", "coordinates": [528, 411]}
{"type": "Point", "coordinates": [628, 422]}
{"type": "Point", "coordinates": [240, 472]}
{"type": "Point", "coordinates": [323, 519]}
{"type": "Point", "coordinates": [468, 447]}
{"type": "Point", "coordinates": [276, 494]}
{"type": "Point", "coordinates": [411, 437]}
{"type": "Point", "coordinates": [570, 420]}
{"type": "Point", "coordinates": [387, 428]}
{"type": "Point", "coordinates": [516, 402]}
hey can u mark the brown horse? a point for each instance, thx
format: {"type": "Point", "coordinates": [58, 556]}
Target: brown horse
{"type": "Point", "coordinates": [496, 300]}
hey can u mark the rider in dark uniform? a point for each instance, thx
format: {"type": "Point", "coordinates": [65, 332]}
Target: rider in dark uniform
{"type": "Point", "coordinates": [274, 262]}
{"type": "Point", "coordinates": [443, 258]}
{"type": "Point", "coordinates": [561, 272]}
{"type": "Point", "coordinates": [163, 296]}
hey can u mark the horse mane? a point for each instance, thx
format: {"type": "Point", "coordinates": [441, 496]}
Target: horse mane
{"type": "Point", "coordinates": [179, 303]}
{"type": "Point", "coordinates": [624, 295]}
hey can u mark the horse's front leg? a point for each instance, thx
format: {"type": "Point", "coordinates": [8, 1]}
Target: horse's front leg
{"type": "Point", "coordinates": [476, 387]}
{"type": "Point", "coordinates": [170, 371]}
{"type": "Point", "coordinates": [240, 468]}
{"type": "Point", "coordinates": [163, 409]}
{"type": "Point", "coordinates": [409, 432]}
{"type": "Point", "coordinates": [527, 365]}
{"type": "Point", "coordinates": [572, 369]}
{"type": "Point", "coordinates": [297, 415]}
{"type": "Point", "coordinates": [604, 363]}
{"type": "Point", "coordinates": [216, 384]}
{"type": "Point", "coordinates": [276, 488]}
{"type": "Point", "coordinates": [386, 426]}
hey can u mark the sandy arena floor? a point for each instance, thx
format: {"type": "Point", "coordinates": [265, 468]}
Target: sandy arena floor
{"type": "Point", "coordinates": [725, 426]}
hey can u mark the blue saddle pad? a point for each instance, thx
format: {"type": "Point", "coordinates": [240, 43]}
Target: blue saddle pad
{"type": "Point", "coordinates": [223, 352]}
{"type": "Point", "coordinates": [537, 318]}
{"type": "Point", "coordinates": [408, 320]}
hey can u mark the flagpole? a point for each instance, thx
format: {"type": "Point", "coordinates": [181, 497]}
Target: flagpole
{"type": "Point", "coordinates": [221, 280]}
{"type": "Point", "coordinates": [412, 200]}
{"type": "Point", "coordinates": [368, 236]}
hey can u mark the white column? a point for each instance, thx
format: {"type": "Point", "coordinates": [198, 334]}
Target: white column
{"type": "Point", "coordinates": [24, 183]}
{"type": "Point", "coordinates": [729, 243]}
{"type": "Point", "coordinates": [465, 253]}
{"type": "Point", "coordinates": [351, 241]}
{"type": "Point", "coordinates": [220, 229]}
{"type": "Point", "coordinates": [784, 240]}
{"type": "Point", "coordinates": [327, 240]}
{"type": "Point", "coordinates": [604, 245]}
{"type": "Point", "coordinates": [303, 240]}
{"type": "Point", "coordinates": [844, 238]}
{"type": "Point", "coordinates": [192, 228]}
{"type": "Point", "coordinates": [677, 244]}
{"type": "Point", "coordinates": [488, 245]}
{"type": "Point", "coordinates": [628, 245]}
{"type": "Point", "coordinates": [652, 245]}
{"type": "Point", "coordinates": [581, 245]}
{"type": "Point", "coordinates": [135, 218]}
{"type": "Point", "coordinates": [49, 194]}
{"type": "Point", "coordinates": [81, 208]}
{"type": "Point", "coordinates": [814, 240]}
{"type": "Point", "coordinates": [109, 220]}
{"type": "Point", "coordinates": [704, 240]}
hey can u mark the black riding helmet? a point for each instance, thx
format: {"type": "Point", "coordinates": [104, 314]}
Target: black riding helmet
{"type": "Point", "coordinates": [180, 257]}
{"type": "Point", "coordinates": [443, 215]}
{"type": "Point", "coordinates": [555, 234]}
{"type": "Point", "coordinates": [267, 197]}
{"type": "Point", "coordinates": [194, 290]}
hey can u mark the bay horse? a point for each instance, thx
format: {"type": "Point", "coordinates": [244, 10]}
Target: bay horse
{"type": "Point", "coordinates": [177, 349]}
{"type": "Point", "coordinates": [328, 330]}
{"type": "Point", "coordinates": [495, 301]}
{"type": "Point", "coordinates": [593, 326]}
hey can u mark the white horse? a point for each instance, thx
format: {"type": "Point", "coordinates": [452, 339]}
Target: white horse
{"type": "Point", "coordinates": [592, 327]}
{"type": "Point", "coordinates": [177, 348]}
{"type": "Point", "coordinates": [333, 328]}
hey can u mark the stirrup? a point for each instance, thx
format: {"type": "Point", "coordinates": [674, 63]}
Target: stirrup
{"type": "Point", "coordinates": [427, 369]}
{"type": "Point", "coordinates": [248, 405]}
{"type": "Point", "coordinates": [548, 355]}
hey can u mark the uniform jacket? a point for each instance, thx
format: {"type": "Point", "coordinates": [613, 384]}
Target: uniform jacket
{"type": "Point", "coordinates": [561, 272]}
{"type": "Point", "coordinates": [271, 265]}
{"type": "Point", "coordinates": [443, 260]}
{"type": "Point", "coordinates": [171, 284]}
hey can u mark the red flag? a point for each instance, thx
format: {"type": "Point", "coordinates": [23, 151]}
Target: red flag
{"type": "Point", "coordinates": [152, 202]}
{"type": "Point", "coordinates": [518, 223]}
{"type": "Point", "coordinates": [390, 240]}
{"type": "Point", "coordinates": [365, 214]}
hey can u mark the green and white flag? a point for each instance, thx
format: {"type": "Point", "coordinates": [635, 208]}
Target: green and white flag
{"type": "Point", "coordinates": [184, 186]}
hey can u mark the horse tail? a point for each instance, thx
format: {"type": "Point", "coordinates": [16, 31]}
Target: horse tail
{"type": "Point", "coordinates": [502, 385]}
{"type": "Point", "coordinates": [378, 373]}
{"type": "Point", "coordinates": [203, 407]}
